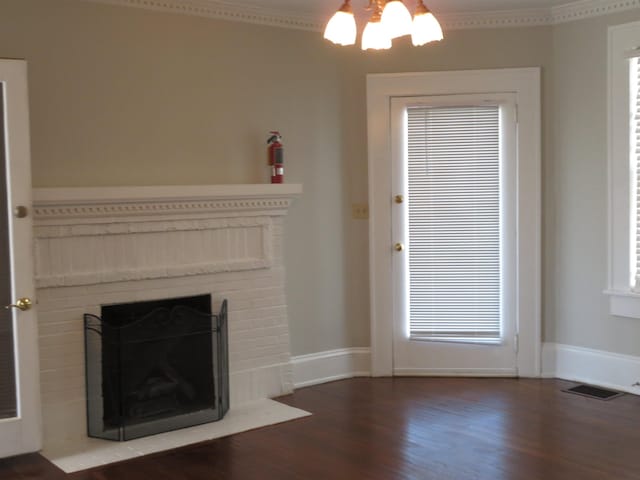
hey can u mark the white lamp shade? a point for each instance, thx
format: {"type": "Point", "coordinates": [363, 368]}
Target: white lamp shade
{"type": "Point", "coordinates": [425, 29]}
{"type": "Point", "coordinates": [341, 29]}
{"type": "Point", "coordinates": [375, 36]}
{"type": "Point", "coordinates": [396, 19]}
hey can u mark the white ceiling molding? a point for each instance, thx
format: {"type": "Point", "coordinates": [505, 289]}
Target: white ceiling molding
{"type": "Point", "coordinates": [225, 11]}
{"type": "Point", "coordinates": [590, 8]}
{"type": "Point", "coordinates": [531, 17]}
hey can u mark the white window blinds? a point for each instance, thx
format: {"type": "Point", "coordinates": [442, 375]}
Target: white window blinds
{"type": "Point", "coordinates": [454, 223]}
{"type": "Point", "coordinates": [635, 162]}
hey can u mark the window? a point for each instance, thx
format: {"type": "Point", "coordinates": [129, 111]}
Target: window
{"type": "Point", "coordinates": [624, 158]}
{"type": "Point", "coordinates": [454, 223]}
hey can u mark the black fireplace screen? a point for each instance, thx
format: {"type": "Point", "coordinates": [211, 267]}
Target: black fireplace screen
{"type": "Point", "coordinates": [155, 366]}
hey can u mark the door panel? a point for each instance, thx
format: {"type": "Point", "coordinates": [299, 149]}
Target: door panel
{"type": "Point", "coordinates": [8, 401]}
{"type": "Point", "coordinates": [454, 298]}
{"type": "Point", "coordinates": [20, 429]}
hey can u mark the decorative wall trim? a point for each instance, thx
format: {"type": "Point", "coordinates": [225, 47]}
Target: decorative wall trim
{"type": "Point", "coordinates": [450, 21]}
{"type": "Point", "coordinates": [330, 365]}
{"type": "Point", "coordinates": [225, 11]}
{"type": "Point", "coordinates": [500, 19]}
{"type": "Point", "coordinates": [595, 367]}
{"type": "Point", "coordinates": [590, 8]}
{"type": "Point", "coordinates": [56, 205]}
{"type": "Point", "coordinates": [160, 232]}
{"type": "Point", "coordinates": [233, 245]}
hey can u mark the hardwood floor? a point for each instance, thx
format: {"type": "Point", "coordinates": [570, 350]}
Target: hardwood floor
{"type": "Point", "coordinates": [406, 428]}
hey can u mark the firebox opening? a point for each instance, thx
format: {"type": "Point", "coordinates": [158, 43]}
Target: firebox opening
{"type": "Point", "coordinates": [155, 366]}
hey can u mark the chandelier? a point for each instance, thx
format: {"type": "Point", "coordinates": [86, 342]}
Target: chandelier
{"type": "Point", "coordinates": [389, 19]}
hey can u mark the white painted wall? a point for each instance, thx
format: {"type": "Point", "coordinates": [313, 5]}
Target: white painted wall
{"type": "Point", "coordinates": [575, 197]}
{"type": "Point", "coordinates": [125, 96]}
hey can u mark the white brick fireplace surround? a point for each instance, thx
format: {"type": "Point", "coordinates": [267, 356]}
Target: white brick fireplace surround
{"type": "Point", "coordinates": [96, 246]}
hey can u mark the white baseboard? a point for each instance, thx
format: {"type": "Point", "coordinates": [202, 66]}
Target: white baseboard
{"type": "Point", "coordinates": [259, 383]}
{"type": "Point", "coordinates": [578, 364]}
{"type": "Point", "coordinates": [455, 372]}
{"type": "Point", "coordinates": [331, 365]}
{"type": "Point", "coordinates": [595, 367]}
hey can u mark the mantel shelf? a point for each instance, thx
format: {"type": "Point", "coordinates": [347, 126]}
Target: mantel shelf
{"type": "Point", "coordinates": [73, 195]}
{"type": "Point", "coordinates": [55, 204]}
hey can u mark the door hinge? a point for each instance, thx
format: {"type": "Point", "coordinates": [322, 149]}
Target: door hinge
{"type": "Point", "coordinates": [517, 116]}
{"type": "Point", "coordinates": [516, 342]}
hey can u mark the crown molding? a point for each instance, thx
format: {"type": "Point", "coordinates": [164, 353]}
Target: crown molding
{"type": "Point", "coordinates": [581, 9]}
{"type": "Point", "coordinates": [225, 11]}
{"type": "Point", "coordinates": [590, 8]}
{"type": "Point", "coordinates": [531, 17]}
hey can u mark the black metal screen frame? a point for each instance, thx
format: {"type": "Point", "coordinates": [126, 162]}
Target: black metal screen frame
{"type": "Point", "coordinates": [121, 429]}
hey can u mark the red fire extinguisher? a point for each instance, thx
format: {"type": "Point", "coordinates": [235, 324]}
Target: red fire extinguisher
{"type": "Point", "coordinates": [276, 157]}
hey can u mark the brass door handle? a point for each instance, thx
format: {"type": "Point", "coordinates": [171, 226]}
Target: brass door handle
{"type": "Point", "coordinates": [398, 247]}
{"type": "Point", "coordinates": [23, 304]}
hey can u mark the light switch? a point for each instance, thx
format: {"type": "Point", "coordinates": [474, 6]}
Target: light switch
{"type": "Point", "coordinates": [360, 211]}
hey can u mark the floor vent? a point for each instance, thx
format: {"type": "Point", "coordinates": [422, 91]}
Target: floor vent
{"type": "Point", "coordinates": [594, 392]}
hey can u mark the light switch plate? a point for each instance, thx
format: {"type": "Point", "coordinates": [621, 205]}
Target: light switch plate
{"type": "Point", "coordinates": [360, 211]}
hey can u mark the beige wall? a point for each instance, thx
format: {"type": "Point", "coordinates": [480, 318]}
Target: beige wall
{"type": "Point", "coordinates": [123, 96]}
{"type": "Point", "coordinates": [575, 309]}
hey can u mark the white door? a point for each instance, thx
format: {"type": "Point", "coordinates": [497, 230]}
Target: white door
{"type": "Point", "coordinates": [20, 430]}
{"type": "Point", "coordinates": [454, 233]}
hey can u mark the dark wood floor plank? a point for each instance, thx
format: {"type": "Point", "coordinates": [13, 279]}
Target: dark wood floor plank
{"type": "Point", "coordinates": [406, 429]}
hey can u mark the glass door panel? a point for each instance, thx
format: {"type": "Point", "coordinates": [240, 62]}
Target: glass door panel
{"type": "Point", "coordinates": [8, 404]}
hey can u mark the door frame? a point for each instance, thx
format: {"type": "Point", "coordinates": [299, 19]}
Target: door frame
{"type": "Point", "coordinates": [24, 430]}
{"type": "Point", "coordinates": [381, 88]}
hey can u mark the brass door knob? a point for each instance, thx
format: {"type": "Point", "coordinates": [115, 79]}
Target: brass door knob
{"type": "Point", "coordinates": [398, 198]}
{"type": "Point", "coordinates": [20, 211]}
{"type": "Point", "coordinates": [23, 304]}
{"type": "Point", "coordinates": [398, 247]}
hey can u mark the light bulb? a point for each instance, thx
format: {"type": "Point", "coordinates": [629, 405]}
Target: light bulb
{"type": "Point", "coordinates": [426, 27]}
{"type": "Point", "coordinates": [396, 19]}
{"type": "Point", "coordinates": [375, 36]}
{"type": "Point", "coordinates": [341, 29]}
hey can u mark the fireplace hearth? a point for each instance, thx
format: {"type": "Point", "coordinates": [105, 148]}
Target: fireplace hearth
{"type": "Point", "coordinates": [155, 366]}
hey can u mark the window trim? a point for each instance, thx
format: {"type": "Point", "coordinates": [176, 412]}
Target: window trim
{"type": "Point", "coordinates": [525, 84]}
{"type": "Point", "coordinates": [623, 301]}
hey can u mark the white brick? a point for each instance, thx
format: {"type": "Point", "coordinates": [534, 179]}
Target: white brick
{"type": "Point", "coordinates": [258, 327]}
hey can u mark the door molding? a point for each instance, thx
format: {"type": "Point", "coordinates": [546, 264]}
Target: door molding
{"type": "Point", "coordinates": [381, 88]}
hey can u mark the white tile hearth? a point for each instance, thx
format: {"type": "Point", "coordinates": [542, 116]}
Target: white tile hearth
{"type": "Point", "coordinates": [92, 452]}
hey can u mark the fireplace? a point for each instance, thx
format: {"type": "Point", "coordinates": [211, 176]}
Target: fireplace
{"type": "Point", "coordinates": [107, 245]}
{"type": "Point", "coordinates": [155, 366]}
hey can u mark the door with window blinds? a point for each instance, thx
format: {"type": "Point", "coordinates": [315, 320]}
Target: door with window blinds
{"type": "Point", "coordinates": [451, 225]}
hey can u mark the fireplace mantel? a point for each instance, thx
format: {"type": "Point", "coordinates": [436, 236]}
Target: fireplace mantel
{"type": "Point", "coordinates": [106, 245]}
{"type": "Point", "coordinates": [99, 203]}
{"type": "Point", "coordinates": [72, 224]}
